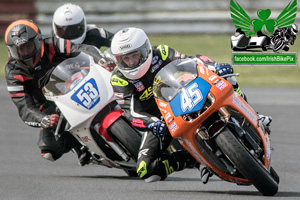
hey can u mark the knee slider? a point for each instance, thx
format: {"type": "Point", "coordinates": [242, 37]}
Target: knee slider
{"type": "Point", "coordinates": [142, 173]}
{"type": "Point", "coordinates": [142, 169]}
{"type": "Point", "coordinates": [51, 156]}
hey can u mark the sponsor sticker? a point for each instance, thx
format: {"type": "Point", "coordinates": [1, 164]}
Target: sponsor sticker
{"type": "Point", "coordinates": [177, 54]}
{"type": "Point", "coordinates": [170, 120]}
{"type": "Point", "coordinates": [139, 86]}
{"type": "Point", "coordinates": [119, 95]}
{"type": "Point", "coordinates": [167, 116]}
{"type": "Point", "coordinates": [163, 105]}
{"type": "Point", "coordinates": [85, 139]}
{"type": "Point", "coordinates": [221, 85]}
{"type": "Point", "coordinates": [154, 60]}
{"type": "Point", "coordinates": [216, 81]}
{"type": "Point", "coordinates": [205, 59]}
{"type": "Point", "coordinates": [155, 67]}
{"type": "Point", "coordinates": [173, 127]}
{"type": "Point", "coordinates": [212, 77]}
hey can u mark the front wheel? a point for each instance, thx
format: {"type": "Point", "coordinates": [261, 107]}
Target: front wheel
{"type": "Point", "coordinates": [246, 163]}
{"type": "Point", "coordinates": [278, 44]}
{"type": "Point", "coordinates": [127, 136]}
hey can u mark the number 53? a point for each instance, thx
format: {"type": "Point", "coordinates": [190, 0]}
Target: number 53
{"type": "Point", "coordinates": [87, 94]}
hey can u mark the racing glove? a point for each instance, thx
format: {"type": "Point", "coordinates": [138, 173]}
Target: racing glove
{"type": "Point", "coordinates": [158, 128]}
{"type": "Point", "coordinates": [107, 63]}
{"type": "Point", "coordinates": [50, 121]}
{"type": "Point", "coordinates": [224, 69]}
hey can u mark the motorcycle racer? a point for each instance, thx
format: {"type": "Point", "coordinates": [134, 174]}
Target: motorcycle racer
{"type": "Point", "coordinates": [31, 60]}
{"type": "Point", "coordinates": [137, 64]}
{"type": "Point", "coordinates": [69, 22]}
{"type": "Point", "coordinates": [283, 36]}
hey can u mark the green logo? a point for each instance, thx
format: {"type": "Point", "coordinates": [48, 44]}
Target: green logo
{"type": "Point", "coordinates": [280, 59]}
{"type": "Point", "coordinates": [241, 19]}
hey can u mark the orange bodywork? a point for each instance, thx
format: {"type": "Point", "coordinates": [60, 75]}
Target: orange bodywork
{"type": "Point", "coordinates": [223, 96]}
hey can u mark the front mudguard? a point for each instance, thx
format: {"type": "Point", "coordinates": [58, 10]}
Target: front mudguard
{"type": "Point", "coordinates": [107, 121]}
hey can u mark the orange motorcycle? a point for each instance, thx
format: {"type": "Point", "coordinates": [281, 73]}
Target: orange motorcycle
{"type": "Point", "coordinates": [215, 124]}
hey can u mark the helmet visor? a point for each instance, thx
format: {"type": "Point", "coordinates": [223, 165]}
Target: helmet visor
{"type": "Point", "coordinates": [26, 50]}
{"type": "Point", "coordinates": [70, 32]}
{"type": "Point", "coordinates": [134, 58]}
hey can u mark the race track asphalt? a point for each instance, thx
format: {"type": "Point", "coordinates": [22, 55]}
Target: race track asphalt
{"type": "Point", "coordinates": [25, 175]}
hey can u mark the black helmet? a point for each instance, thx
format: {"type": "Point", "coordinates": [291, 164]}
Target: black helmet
{"type": "Point", "coordinates": [24, 41]}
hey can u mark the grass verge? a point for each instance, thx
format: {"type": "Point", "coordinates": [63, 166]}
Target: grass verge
{"type": "Point", "coordinates": [218, 48]}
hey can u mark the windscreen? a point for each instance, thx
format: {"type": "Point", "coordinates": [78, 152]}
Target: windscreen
{"type": "Point", "coordinates": [67, 75]}
{"type": "Point", "coordinates": [173, 77]}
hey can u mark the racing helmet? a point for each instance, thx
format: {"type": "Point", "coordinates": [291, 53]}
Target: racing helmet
{"type": "Point", "coordinates": [129, 41]}
{"type": "Point", "coordinates": [294, 29]}
{"type": "Point", "coordinates": [69, 22]}
{"type": "Point", "coordinates": [24, 41]}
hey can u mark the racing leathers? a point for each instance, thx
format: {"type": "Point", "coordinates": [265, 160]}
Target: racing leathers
{"type": "Point", "coordinates": [97, 37]}
{"type": "Point", "coordinates": [137, 100]}
{"type": "Point", "coordinates": [100, 37]}
{"type": "Point", "coordinates": [25, 84]}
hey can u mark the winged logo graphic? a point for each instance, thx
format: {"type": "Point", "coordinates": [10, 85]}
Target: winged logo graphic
{"type": "Point", "coordinates": [241, 19]}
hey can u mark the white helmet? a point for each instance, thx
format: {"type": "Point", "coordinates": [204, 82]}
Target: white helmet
{"type": "Point", "coordinates": [128, 41]}
{"type": "Point", "coordinates": [69, 22]}
{"type": "Point", "coordinates": [294, 29]}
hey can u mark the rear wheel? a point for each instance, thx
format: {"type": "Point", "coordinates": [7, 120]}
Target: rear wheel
{"type": "Point", "coordinates": [246, 163]}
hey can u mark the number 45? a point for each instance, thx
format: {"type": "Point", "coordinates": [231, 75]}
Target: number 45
{"type": "Point", "coordinates": [190, 97]}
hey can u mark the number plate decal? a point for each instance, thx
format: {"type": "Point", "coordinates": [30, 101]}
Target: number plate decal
{"type": "Point", "coordinates": [87, 95]}
{"type": "Point", "coordinates": [191, 98]}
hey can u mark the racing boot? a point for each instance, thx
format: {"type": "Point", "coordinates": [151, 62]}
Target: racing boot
{"type": "Point", "coordinates": [266, 121]}
{"type": "Point", "coordinates": [205, 174]}
{"type": "Point", "coordinates": [183, 159]}
{"type": "Point", "coordinates": [84, 156]}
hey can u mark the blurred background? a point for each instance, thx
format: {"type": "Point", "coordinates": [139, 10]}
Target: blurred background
{"type": "Point", "coordinates": [190, 26]}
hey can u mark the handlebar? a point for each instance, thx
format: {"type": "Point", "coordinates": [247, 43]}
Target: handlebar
{"type": "Point", "coordinates": [230, 75]}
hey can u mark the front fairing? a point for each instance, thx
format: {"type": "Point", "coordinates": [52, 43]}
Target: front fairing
{"type": "Point", "coordinates": [180, 86]}
{"type": "Point", "coordinates": [67, 75]}
{"type": "Point", "coordinates": [192, 90]}
{"type": "Point", "coordinates": [80, 88]}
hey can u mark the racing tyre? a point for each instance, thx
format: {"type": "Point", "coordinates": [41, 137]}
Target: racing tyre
{"type": "Point", "coordinates": [127, 136]}
{"type": "Point", "coordinates": [278, 45]}
{"type": "Point", "coordinates": [274, 174]}
{"type": "Point", "coordinates": [247, 165]}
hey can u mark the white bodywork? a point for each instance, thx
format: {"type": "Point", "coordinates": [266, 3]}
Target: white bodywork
{"type": "Point", "coordinates": [80, 117]}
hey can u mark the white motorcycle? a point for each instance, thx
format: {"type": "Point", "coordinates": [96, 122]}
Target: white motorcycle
{"type": "Point", "coordinates": [83, 94]}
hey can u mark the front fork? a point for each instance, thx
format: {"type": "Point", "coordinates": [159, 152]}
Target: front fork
{"type": "Point", "coordinates": [101, 129]}
{"type": "Point", "coordinates": [57, 135]}
{"type": "Point", "coordinates": [255, 149]}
